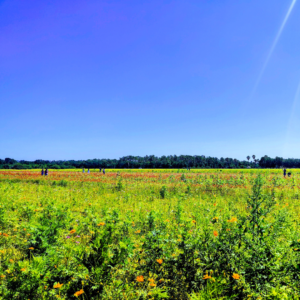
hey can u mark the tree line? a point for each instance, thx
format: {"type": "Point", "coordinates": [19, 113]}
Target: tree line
{"type": "Point", "coordinates": [152, 161]}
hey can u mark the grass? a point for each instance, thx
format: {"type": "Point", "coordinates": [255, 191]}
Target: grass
{"type": "Point", "coordinates": [149, 234]}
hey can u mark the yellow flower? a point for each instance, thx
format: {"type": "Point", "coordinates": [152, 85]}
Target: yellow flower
{"type": "Point", "coordinates": [58, 285]}
{"type": "Point", "coordinates": [194, 221]}
{"type": "Point", "coordinates": [160, 261]}
{"type": "Point", "coordinates": [73, 231]}
{"type": "Point", "coordinates": [23, 269]}
{"type": "Point", "coordinates": [206, 277]}
{"type": "Point", "coordinates": [101, 224]}
{"type": "Point", "coordinates": [79, 293]}
{"type": "Point", "coordinates": [152, 284]}
{"type": "Point", "coordinates": [140, 278]}
{"type": "Point", "coordinates": [236, 276]}
{"type": "Point", "coordinates": [11, 260]}
{"type": "Point", "coordinates": [138, 231]}
{"type": "Point", "coordinates": [31, 248]}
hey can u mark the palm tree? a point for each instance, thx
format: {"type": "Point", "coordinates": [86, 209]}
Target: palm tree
{"type": "Point", "coordinates": [253, 156]}
{"type": "Point", "coordinates": [248, 157]}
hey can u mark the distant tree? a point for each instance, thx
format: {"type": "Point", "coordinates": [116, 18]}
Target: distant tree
{"type": "Point", "coordinates": [248, 157]}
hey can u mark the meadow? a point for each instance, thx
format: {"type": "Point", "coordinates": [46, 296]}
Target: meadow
{"type": "Point", "coordinates": [150, 234]}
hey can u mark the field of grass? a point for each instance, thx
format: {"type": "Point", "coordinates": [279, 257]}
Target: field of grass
{"type": "Point", "coordinates": [149, 234]}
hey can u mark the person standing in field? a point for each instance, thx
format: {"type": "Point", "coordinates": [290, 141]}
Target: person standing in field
{"type": "Point", "coordinates": [46, 172]}
{"type": "Point", "coordinates": [104, 171]}
{"type": "Point", "coordinates": [83, 170]}
{"type": "Point", "coordinates": [284, 172]}
{"type": "Point", "coordinates": [88, 171]}
{"type": "Point", "coordinates": [100, 170]}
{"type": "Point", "coordinates": [42, 173]}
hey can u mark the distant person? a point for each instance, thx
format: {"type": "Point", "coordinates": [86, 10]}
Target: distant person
{"type": "Point", "coordinates": [83, 170]}
{"type": "Point", "coordinates": [46, 172]}
{"type": "Point", "coordinates": [284, 172]}
{"type": "Point", "coordinates": [100, 170]}
{"type": "Point", "coordinates": [88, 171]}
{"type": "Point", "coordinates": [42, 173]}
{"type": "Point", "coordinates": [104, 171]}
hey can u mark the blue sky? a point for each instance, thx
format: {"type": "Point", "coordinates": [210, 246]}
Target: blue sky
{"type": "Point", "coordinates": [105, 79]}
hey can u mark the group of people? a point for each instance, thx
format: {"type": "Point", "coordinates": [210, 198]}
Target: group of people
{"type": "Point", "coordinates": [284, 172]}
{"type": "Point", "coordinates": [88, 171]}
{"type": "Point", "coordinates": [44, 172]}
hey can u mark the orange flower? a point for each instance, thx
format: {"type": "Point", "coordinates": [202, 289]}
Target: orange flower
{"type": "Point", "coordinates": [151, 279]}
{"type": "Point", "coordinates": [11, 260]}
{"type": "Point", "coordinates": [194, 221]}
{"type": "Point", "coordinates": [58, 285]}
{"type": "Point", "coordinates": [23, 269]}
{"type": "Point", "coordinates": [152, 284]}
{"type": "Point", "coordinates": [79, 293]}
{"type": "Point", "coordinates": [216, 233]}
{"type": "Point", "coordinates": [101, 224]}
{"type": "Point", "coordinates": [138, 231]}
{"type": "Point", "coordinates": [5, 234]}
{"type": "Point", "coordinates": [140, 278]}
{"type": "Point", "coordinates": [31, 248]}
{"type": "Point", "coordinates": [206, 277]}
{"type": "Point", "coordinates": [160, 261]}
{"type": "Point", "coordinates": [215, 204]}
{"type": "Point", "coordinates": [236, 276]}
{"type": "Point", "coordinates": [73, 231]}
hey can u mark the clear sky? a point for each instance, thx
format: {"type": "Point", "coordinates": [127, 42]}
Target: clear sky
{"type": "Point", "coordinates": [104, 79]}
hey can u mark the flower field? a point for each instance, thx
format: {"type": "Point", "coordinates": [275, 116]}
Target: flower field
{"type": "Point", "coordinates": [149, 234]}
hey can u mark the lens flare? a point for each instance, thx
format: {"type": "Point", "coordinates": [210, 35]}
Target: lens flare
{"type": "Point", "coordinates": [273, 47]}
{"type": "Point", "coordinates": [293, 127]}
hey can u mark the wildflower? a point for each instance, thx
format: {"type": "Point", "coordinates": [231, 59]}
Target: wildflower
{"type": "Point", "coordinates": [140, 278]}
{"type": "Point", "coordinates": [23, 269]}
{"type": "Point", "coordinates": [152, 284]}
{"type": "Point", "coordinates": [11, 260]}
{"type": "Point", "coordinates": [78, 236]}
{"type": "Point", "coordinates": [151, 279]}
{"type": "Point", "coordinates": [206, 277]}
{"type": "Point", "coordinates": [67, 237]}
{"type": "Point", "coordinates": [194, 221]}
{"type": "Point", "coordinates": [216, 233]}
{"type": "Point", "coordinates": [79, 293]}
{"type": "Point", "coordinates": [73, 231]}
{"type": "Point", "coordinates": [5, 234]}
{"type": "Point", "coordinates": [138, 231]}
{"type": "Point", "coordinates": [77, 242]}
{"type": "Point", "coordinates": [101, 224]}
{"type": "Point", "coordinates": [31, 248]}
{"type": "Point", "coordinates": [236, 276]}
{"type": "Point", "coordinates": [160, 261]}
{"type": "Point", "coordinates": [215, 204]}
{"type": "Point", "coordinates": [2, 276]}
{"type": "Point", "coordinates": [161, 280]}
{"type": "Point", "coordinates": [58, 285]}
